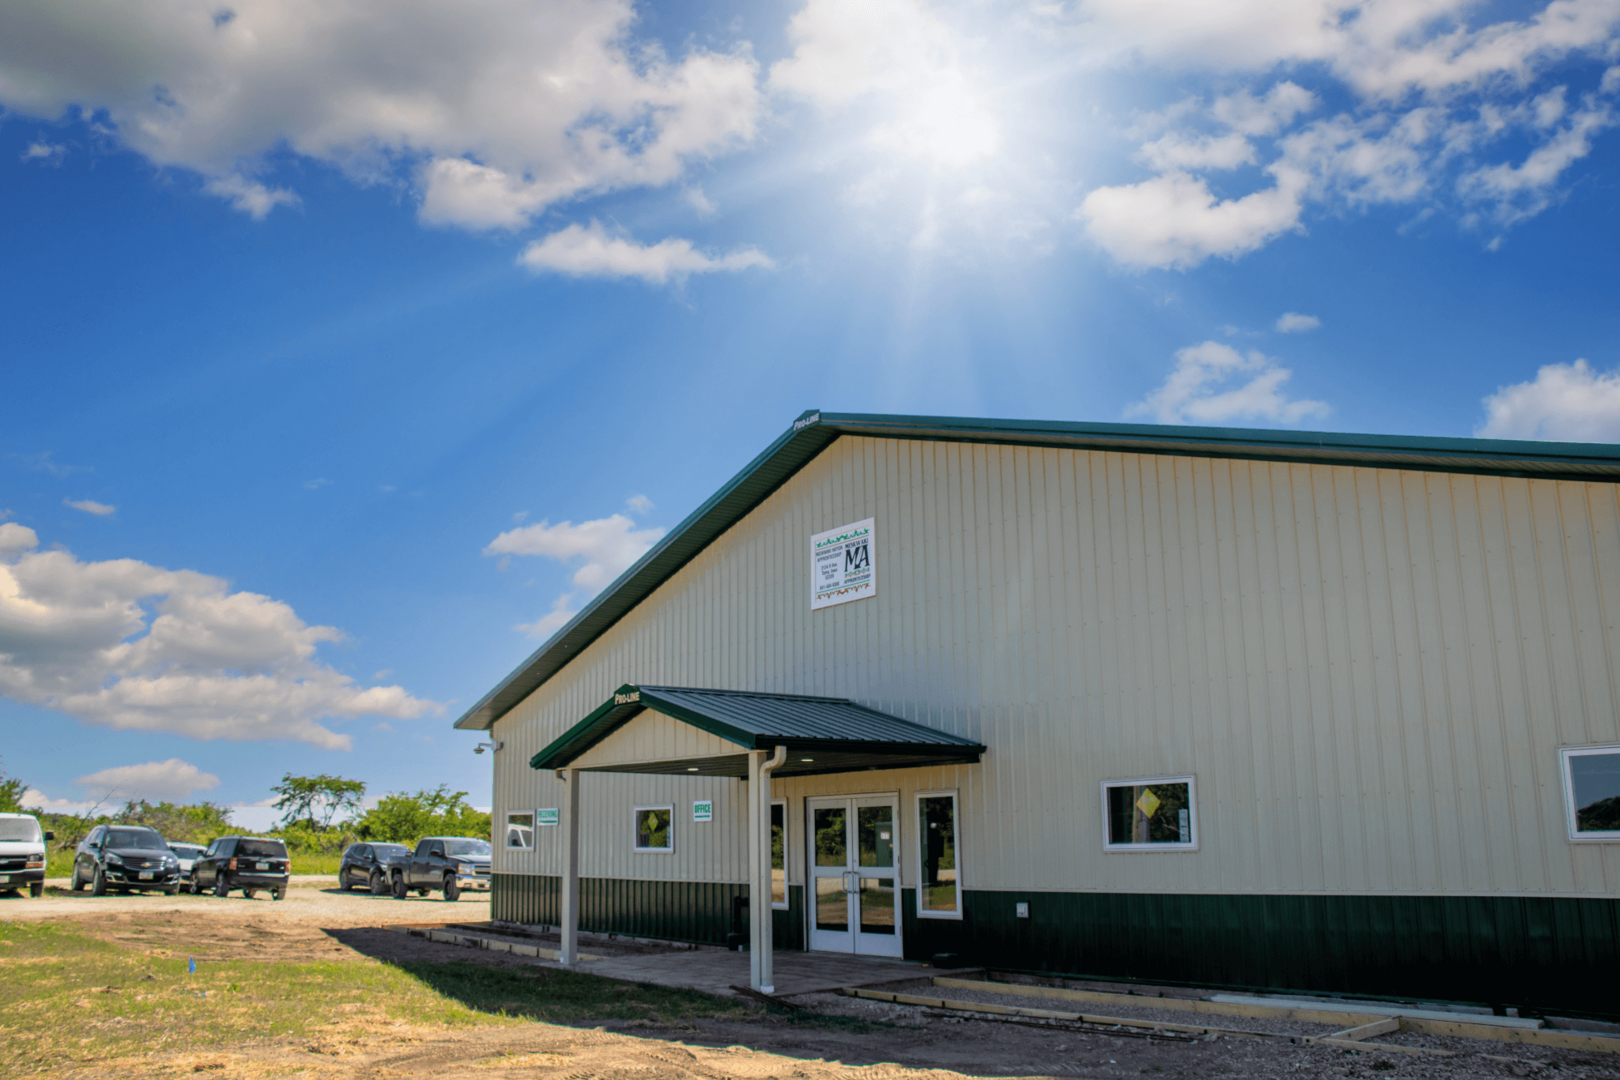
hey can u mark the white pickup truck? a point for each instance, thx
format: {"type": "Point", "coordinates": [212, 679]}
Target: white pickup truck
{"type": "Point", "coordinates": [22, 854]}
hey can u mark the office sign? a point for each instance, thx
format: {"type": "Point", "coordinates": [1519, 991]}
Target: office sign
{"type": "Point", "coordinates": [545, 817]}
{"type": "Point", "coordinates": [843, 565]}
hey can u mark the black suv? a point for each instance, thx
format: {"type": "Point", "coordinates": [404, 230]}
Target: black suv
{"type": "Point", "coordinates": [372, 865]}
{"type": "Point", "coordinates": [126, 858]}
{"type": "Point", "coordinates": [248, 863]}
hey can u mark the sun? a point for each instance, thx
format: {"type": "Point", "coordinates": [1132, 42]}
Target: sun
{"type": "Point", "coordinates": [944, 124]}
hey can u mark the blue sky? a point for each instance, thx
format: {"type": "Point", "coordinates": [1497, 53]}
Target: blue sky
{"type": "Point", "coordinates": [350, 346]}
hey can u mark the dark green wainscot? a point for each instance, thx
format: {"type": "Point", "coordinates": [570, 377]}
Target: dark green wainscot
{"type": "Point", "coordinates": [705, 913]}
{"type": "Point", "coordinates": [1539, 953]}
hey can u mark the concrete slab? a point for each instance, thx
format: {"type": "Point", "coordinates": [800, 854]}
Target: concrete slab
{"type": "Point", "coordinates": [716, 971]}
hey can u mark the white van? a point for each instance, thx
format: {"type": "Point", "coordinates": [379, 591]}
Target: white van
{"type": "Point", "coordinates": [22, 853]}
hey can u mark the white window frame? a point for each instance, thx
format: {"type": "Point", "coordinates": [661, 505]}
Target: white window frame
{"type": "Point", "coordinates": [533, 817]}
{"type": "Point", "coordinates": [787, 863]}
{"type": "Point", "coordinates": [1192, 813]}
{"type": "Point", "coordinates": [1608, 836]}
{"type": "Point", "coordinates": [634, 831]}
{"type": "Point", "coordinates": [961, 880]}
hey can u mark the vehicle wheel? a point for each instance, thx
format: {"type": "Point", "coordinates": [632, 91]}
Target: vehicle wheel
{"type": "Point", "coordinates": [36, 889]}
{"type": "Point", "coordinates": [77, 884]}
{"type": "Point", "coordinates": [196, 886]}
{"type": "Point", "coordinates": [399, 888]}
{"type": "Point", "coordinates": [344, 883]}
{"type": "Point", "coordinates": [98, 884]}
{"type": "Point", "coordinates": [250, 893]}
{"type": "Point", "coordinates": [376, 884]}
{"type": "Point", "coordinates": [221, 886]}
{"type": "Point", "coordinates": [452, 890]}
{"type": "Point", "coordinates": [278, 894]}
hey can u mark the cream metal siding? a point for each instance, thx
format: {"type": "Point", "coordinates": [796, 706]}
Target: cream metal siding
{"type": "Point", "coordinates": [1369, 671]}
{"type": "Point", "coordinates": [652, 736]}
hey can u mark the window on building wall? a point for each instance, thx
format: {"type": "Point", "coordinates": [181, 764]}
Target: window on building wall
{"type": "Point", "coordinates": [939, 881]}
{"type": "Point", "coordinates": [520, 831]}
{"type": "Point", "coordinates": [653, 829]}
{"type": "Point", "coordinates": [1592, 792]}
{"type": "Point", "coordinates": [1150, 815]}
{"type": "Point", "coordinates": [779, 855]}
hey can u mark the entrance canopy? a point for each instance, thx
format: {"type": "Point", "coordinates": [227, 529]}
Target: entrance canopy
{"type": "Point", "coordinates": [668, 729]}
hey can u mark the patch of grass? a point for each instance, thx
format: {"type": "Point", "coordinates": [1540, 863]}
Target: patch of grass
{"type": "Point", "coordinates": [568, 997]}
{"type": "Point", "coordinates": [303, 863]}
{"type": "Point", "coordinates": [67, 997]}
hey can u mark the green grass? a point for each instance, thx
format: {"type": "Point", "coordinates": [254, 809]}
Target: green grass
{"type": "Point", "coordinates": [67, 997]}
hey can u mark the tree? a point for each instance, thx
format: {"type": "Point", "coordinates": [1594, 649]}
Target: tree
{"type": "Point", "coordinates": [198, 823]}
{"type": "Point", "coordinates": [11, 793]}
{"type": "Point", "coordinates": [405, 818]}
{"type": "Point", "coordinates": [302, 797]}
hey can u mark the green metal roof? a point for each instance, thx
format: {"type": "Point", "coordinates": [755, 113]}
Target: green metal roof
{"type": "Point", "coordinates": [814, 431]}
{"type": "Point", "coordinates": [822, 734]}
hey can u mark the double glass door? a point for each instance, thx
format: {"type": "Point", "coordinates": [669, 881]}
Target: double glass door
{"type": "Point", "coordinates": [854, 874]}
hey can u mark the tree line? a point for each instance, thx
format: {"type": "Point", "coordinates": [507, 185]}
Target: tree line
{"type": "Point", "coordinates": [319, 815]}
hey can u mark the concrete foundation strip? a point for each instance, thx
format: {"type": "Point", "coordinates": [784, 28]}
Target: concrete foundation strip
{"type": "Point", "coordinates": [516, 948]}
{"type": "Point", "coordinates": [1423, 1025]}
{"type": "Point", "coordinates": [1048, 1014]}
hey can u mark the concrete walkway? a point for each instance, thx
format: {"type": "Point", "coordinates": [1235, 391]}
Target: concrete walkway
{"type": "Point", "coordinates": [716, 971]}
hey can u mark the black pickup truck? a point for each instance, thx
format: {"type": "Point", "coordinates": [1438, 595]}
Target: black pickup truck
{"type": "Point", "coordinates": [445, 863]}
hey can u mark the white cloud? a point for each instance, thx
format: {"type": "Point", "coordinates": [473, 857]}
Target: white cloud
{"type": "Point", "coordinates": [588, 251]}
{"type": "Point", "coordinates": [1292, 322]}
{"type": "Point", "coordinates": [35, 799]}
{"type": "Point", "coordinates": [126, 645]}
{"type": "Point", "coordinates": [155, 781]}
{"type": "Point", "coordinates": [1175, 220]}
{"type": "Point", "coordinates": [557, 98]}
{"type": "Point", "coordinates": [46, 153]}
{"type": "Point", "coordinates": [317, 483]}
{"type": "Point", "coordinates": [90, 506]}
{"type": "Point", "coordinates": [1563, 402]}
{"type": "Point", "coordinates": [1433, 89]}
{"type": "Point", "coordinates": [600, 550]}
{"type": "Point", "coordinates": [639, 504]}
{"type": "Point", "coordinates": [249, 196]}
{"type": "Point", "coordinates": [1213, 383]}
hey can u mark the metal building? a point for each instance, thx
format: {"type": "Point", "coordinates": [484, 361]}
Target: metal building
{"type": "Point", "coordinates": [1241, 708]}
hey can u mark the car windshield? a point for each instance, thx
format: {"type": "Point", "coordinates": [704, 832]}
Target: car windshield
{"type": "Point", "coordinates": [390, 849]}
{"type": "Point", "coordinates": [24, 829]}
{"type": "Point", "coordinates": [186, 851]}
{"type": "Point", "coordinates": [144, 839]}
{"type": "Point", "coordinates": [261, 849]}
{"type": "Point", "coordinates": [466, 847]}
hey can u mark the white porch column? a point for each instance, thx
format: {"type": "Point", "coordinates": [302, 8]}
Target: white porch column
{"type": "Point", "coordinates": [759, 875]}
{"type": "Point", "coordinates": [761, 966]}
{"type": "Point", "coordinates": [568, 951]}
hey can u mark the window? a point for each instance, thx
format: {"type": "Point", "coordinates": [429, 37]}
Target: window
{"type": "Point", "coordinates": [939, 884]}
{"type": "Point", "coordinates": [1150, 815]}
{"type": "Point", "coordinates": [520, 831]}
{"type": "Point", "coordinates": [653, 831]}
{"type": "Point", "coordinates": [1592, 792]}
{"type": "Point", "coordinates": [779, 855]}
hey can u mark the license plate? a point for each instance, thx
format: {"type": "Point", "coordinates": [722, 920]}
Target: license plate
{"type": "Point", "coordinates": [4, 878]}
{"type": "Point", "coordinates": [146, 875]}
{"type": "Point", "coordinates": [264, 866]}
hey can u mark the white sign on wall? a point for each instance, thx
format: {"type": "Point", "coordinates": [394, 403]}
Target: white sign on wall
{"type": "Point", "coordinates": [703, 810]}
{"type": "Point", "coordinates": [843, 565]}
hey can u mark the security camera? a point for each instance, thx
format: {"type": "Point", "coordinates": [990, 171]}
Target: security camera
{"type": "Point", "coordinates": [481, 747]}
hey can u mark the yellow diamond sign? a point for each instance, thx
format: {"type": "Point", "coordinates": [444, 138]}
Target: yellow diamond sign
{"type": "Point", "coordinates": [1148, 803]}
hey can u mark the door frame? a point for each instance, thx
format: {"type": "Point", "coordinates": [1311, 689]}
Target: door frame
{"type": "Point", "coordinates": [853, 800]}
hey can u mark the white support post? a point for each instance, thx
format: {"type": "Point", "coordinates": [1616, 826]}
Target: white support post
{"type": "Point", "coordinates": [767, 943]}
{"type": "Point", "coordinates": [568, 951]}
{"type": "Point", "coordinates": [759, 874]}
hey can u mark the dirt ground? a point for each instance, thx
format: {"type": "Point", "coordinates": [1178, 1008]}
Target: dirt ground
{"type": "Point", "coordinates": [317, 922]}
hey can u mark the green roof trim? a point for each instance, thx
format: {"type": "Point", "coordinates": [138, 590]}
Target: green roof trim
{"type": "Point", "coordinates": [814, 431]}
{"type": "Point", "coordinates": [839, 734]}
